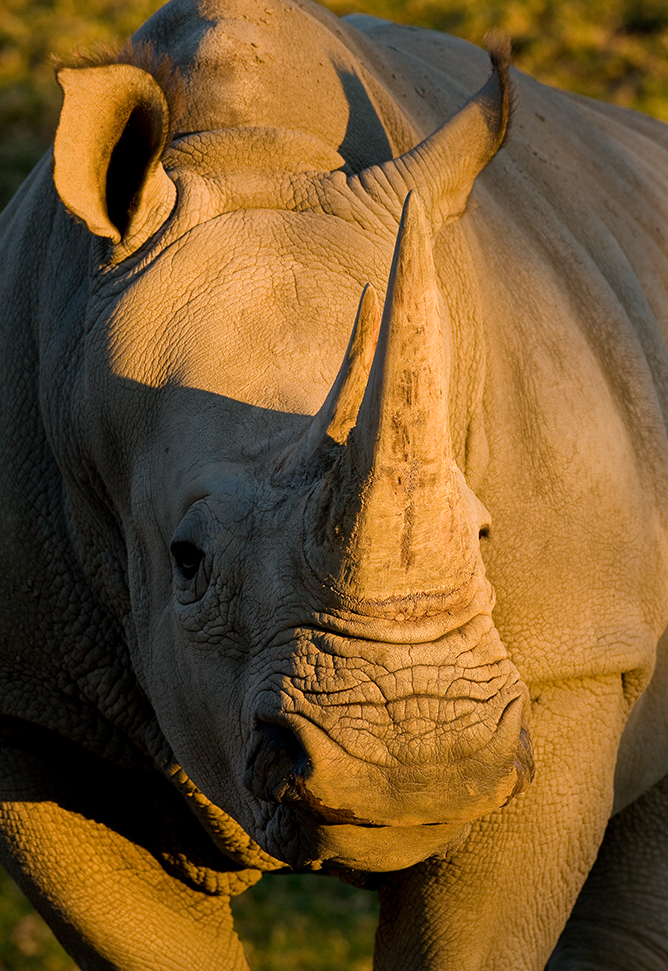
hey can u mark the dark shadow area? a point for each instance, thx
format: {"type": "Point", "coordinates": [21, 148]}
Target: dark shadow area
{"type": "Point", "coordinates": [138, 804]}
{"type": "Point", "coordinates": [365, 142]}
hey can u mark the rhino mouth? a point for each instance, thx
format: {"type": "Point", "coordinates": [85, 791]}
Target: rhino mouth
{"type": "Point", "coordinates": [305, 841]}
{"type": "Point", "coordinates": [309, 819]}
{"type": "Point", "coordinates": [307, 834]}
{"type": "Point", "coordinates": [325, 814]}
{"type": "Point", "coordinates": [293, 786]}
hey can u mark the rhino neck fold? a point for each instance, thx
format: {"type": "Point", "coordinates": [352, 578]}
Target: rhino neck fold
{"type": "Point", "coordinates": [225, 832]}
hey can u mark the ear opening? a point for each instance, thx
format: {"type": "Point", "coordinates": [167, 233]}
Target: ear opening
{"type": "Point", "coordinates": [129, 162]}
{"type": "Point", "coordinates": [113, 129]}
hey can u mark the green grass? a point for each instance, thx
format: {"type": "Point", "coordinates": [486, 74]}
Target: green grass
{"type": "Point", "coordinates": [303, 922]}
{"type": "Point", "coordinates": [286, 923]}
{"type": "Point", "coordinates": [26, 943]}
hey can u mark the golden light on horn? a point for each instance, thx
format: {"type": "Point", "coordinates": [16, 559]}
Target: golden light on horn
{"type": "Point", "coordinates": [389, 519]}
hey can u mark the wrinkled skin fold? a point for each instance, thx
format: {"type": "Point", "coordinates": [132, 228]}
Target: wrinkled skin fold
{"type": "Point", "coordinates": [333, 498]}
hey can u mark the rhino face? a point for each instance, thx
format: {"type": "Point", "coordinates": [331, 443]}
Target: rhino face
{"type": "Point", "coordinates": [312, 610]}
{"type": "Point", "coordinates": [310, 617]}
{"type": "Point", "coordinates": [319, 723]}
{"type": "Point", "coordinates": [332, 734]}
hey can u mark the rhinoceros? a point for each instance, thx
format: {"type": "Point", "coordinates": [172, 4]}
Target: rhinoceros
{"type": "Point", "coordinates": [334, 470]}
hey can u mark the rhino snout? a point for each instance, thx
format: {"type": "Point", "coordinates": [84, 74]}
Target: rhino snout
{"type": "Point", "coordinates": [293, 762]}
{"type": "Point", "coordinates": [277, 771]}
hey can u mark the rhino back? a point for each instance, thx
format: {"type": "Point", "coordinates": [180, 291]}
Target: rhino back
{"type": "Point", "coordinates": [281, 65]}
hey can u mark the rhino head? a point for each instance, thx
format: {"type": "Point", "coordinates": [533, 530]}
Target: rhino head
{"type": "Point", "coordinates": [308, 614]}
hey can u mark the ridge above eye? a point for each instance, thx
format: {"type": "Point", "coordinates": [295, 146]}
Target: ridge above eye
{"type": "Point", "coordinates": [187, 558]}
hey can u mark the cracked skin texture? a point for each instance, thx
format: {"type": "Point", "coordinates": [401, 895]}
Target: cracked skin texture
{"type": "Point", "coordinates": [153, 374]}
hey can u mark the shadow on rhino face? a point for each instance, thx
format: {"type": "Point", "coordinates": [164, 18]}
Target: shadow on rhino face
{"type": "Point", "coordinates": [365, 142]}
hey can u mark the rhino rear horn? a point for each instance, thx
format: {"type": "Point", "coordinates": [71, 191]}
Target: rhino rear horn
{"type": "Point", "coordinates": [445, 165]}
{"type": "Point", "coordinates": [113, 128]}
{"type": "Point", "coordinates": [388, 519]}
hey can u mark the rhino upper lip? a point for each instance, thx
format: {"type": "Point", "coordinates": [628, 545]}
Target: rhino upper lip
{"type": "Point", "coordinates": [296, 794]}
{"type": "Point", "coordinates": [306, 802]}
{"type": "Point", "coordinates": [319, 809]}
{"type": "Point", "coordinates": [338, 817]}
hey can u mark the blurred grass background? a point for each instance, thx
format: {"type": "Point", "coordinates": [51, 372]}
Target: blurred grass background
{"type": "Point", "coordinates": [306, 922]}
{"type": "Point", "coordinates": [26, 943]}
{"type": "Point", "coordinates": [611, 49]}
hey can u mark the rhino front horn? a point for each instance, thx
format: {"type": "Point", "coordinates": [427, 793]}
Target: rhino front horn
{"type": "Point", "coordinates": [389, 519]}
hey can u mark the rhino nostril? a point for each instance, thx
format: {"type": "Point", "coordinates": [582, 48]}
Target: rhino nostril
{"type": "Point", "coordinates": [276, 760]}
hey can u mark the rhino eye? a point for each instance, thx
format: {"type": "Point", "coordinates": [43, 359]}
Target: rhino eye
{"type": "Point", "coordinates": [187, 558]}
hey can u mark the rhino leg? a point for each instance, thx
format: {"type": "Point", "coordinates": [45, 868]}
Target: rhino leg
{"type": "Point", "coordinates": [500, 901]}
{"type": "Point", "coordinates": [620, 921]}
{"type": "Point", "coordinates": [107, 898]}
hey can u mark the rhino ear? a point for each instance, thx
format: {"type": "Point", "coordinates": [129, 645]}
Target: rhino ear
{"type": "Point", "coordinates": [113, 128]}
